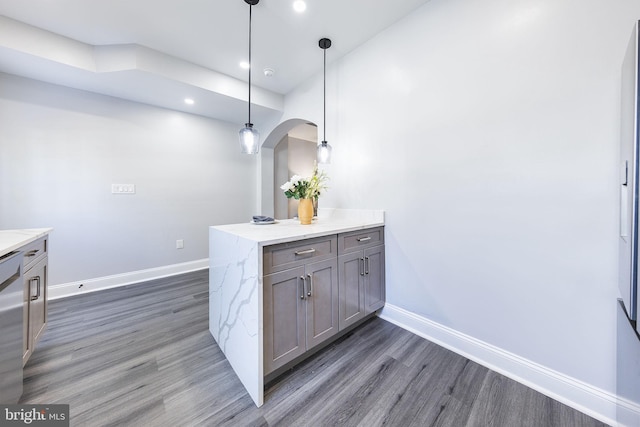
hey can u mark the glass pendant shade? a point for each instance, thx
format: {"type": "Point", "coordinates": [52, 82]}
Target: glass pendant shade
{"type": "Point", "coordinates": [249, 139]}
{"type": "Point", "coordinates": [324, 153]}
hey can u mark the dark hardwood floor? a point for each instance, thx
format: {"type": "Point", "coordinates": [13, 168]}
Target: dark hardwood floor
{"type": "Point", "coordinates": [142, 355]}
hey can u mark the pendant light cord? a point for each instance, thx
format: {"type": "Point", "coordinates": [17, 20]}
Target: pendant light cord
{"type": "Point", "coordinates": [250, 64]}
{"type": "Point", "coordinates": [324, 97]}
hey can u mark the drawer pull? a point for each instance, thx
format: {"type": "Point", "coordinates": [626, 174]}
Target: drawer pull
{"type": "Point", "coordinates": [37, 280]}
{"type": "Point", "coordinates": [32, 252]}
{"type": "Point", "coordinates": [363, 239]}
{"type": "Point", "coordinates": [305, 252]}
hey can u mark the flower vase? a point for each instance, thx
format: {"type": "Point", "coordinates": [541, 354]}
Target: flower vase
{"type": "Point", "coordinates": [305, 211]}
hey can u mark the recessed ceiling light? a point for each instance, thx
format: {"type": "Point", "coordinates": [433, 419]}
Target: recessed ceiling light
{"type": "Point", "coordinates": [299, 6]}
{"type": "Point", "coordinates": [268, 72]}
{"type": "Point", "coordinates": [245, 65]}
{"type": "Point", "coordinates": [189, 101]}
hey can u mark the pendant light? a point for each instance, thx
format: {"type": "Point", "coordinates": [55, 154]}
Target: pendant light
{"type": "Point", "coordinates": [324, 149]}
{"type": "Point", "coordinates": [249, 137]}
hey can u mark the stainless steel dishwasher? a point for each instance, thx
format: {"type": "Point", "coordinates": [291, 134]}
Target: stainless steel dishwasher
{"type": "Point", "coordinates": [11, 311]}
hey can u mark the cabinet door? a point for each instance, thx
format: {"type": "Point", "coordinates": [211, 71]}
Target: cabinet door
{"type": "Point", "coordinates": [322, 301]}
{"type": "Point", "coordinates": [38, 301]}
{"type": "Point", "coordinates": [35, 307]}
{"type": "Point", "coordinates": [26, 336]}
{"type": "Point", "coordinates": [374, 279]}
{"type": "Point", "coordinates": [284, 317]}
{"type": "Point", "coordinates": [351, 278]}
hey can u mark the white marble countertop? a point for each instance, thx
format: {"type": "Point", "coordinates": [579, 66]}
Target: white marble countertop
{"type": "Point", "coordinates": [329, 221]}
{"type": "Point", "coordinates": [10, 240]}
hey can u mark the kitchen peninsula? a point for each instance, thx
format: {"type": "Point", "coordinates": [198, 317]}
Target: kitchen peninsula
{"type": "Point", "coordinates": [277, 291]}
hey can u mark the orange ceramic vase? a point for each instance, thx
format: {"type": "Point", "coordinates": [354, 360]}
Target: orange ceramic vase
{"type": "Point", "coordinates": [305, 211]}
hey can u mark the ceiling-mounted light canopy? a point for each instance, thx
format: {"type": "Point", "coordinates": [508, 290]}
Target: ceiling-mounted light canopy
{"type": "Point", "coordinates": [324, 149]}
{"type": "Point", "coordinates": [249, 137]}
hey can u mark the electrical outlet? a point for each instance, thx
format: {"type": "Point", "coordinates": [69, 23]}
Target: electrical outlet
{"type": "Point", "coordinates": [123, 189]}
{"type": "Point", "coordinates": [179, 244]}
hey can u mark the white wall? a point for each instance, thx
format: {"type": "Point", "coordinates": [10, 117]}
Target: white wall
{"type": "Point", "coordinates": [60, 151]}
{"type": "Point", "coordinates": [488, 132]}
{"type": "Point", "coordinates": [280, 176]}
{"type": "Point", "coordinates": [294, 154]}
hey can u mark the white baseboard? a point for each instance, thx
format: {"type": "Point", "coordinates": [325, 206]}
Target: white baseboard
{"type": "Point", "coordinates": [65, 290]}
{"type": "Point", "coordinates": [593, 401]}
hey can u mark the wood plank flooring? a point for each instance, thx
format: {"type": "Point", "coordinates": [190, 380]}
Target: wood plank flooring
{"type": "Point", "coordinates": [142, 355]}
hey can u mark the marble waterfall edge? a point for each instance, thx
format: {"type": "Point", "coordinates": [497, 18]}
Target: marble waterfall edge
{"type": "Point", "coordinates": [235, 306]}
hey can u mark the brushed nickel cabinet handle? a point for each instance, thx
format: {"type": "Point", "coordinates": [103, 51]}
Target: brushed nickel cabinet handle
{"type": "Point", "coordinates": [361, 268]}
{"type": "Point", "coordinates": [364, 239]}
{"type": "Point", "coordinates": [37, 293]}
{"type": "Point", "coordinates": [32, 252]}
{"type": "Point", "coordinates": [305, 252]}
{"type": "Point", "coordinates": [303, 286]}
{"type": "Point", "coordinates": [366, 264]}
{"type": "Point", "coordinates": [310, 276]}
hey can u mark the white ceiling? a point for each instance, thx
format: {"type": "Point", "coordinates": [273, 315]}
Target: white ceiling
{"type": "Point", "coordinates": [200, 42]}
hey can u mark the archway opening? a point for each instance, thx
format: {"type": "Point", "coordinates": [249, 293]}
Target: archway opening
{"type": "Point", "coordinates": [290, 149]}
{"type": "Point", "coordinates": [295, 154]}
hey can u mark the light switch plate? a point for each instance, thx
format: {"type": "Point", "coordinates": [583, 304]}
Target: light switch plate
{"type": "Point", "coordinates": [123, 189]}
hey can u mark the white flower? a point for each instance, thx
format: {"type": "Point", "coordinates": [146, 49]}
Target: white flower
{"type": "Point", "coordinates": [305, 188]}
{"type": "Point", "coordinates": [286, 186]}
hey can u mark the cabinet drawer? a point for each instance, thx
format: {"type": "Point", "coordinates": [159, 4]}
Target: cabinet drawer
{"type": "Point", "coordinates": [360, 239]}
{"type": "Point", "coordinates": [288, 255]}
{"type": "Point", "coordinates": [34, 252]}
